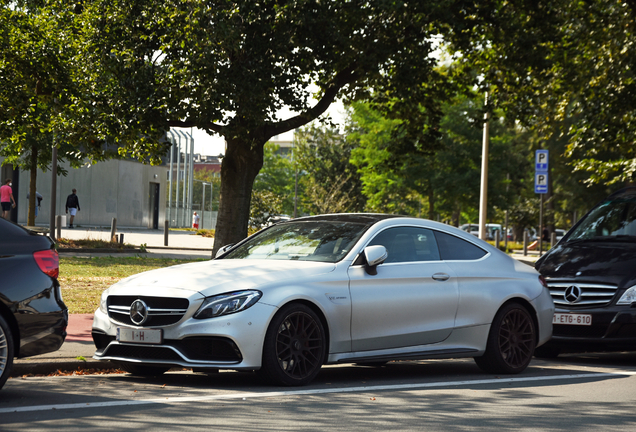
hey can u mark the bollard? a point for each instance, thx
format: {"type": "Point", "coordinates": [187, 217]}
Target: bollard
{"type": "Point", "coordinates": [525, 243]}
{"type": "Point", "coordinates": [166, 229]}
{"type": "Point", "coordinates": [497, 239]}
{"type": "Point", "coordinates": [552, 240]}
{"type": "Point", "coordinates": [113, 229]}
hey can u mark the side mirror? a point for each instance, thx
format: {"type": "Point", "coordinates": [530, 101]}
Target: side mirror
{"type": "Point", "coordinates": [375, 255]}
{"type": "Point", "coordinates": [224, 249]}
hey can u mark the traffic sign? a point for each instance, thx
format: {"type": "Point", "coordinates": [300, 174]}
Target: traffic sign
{"type": "Point", "coordinates": [540, 182]}
{"type": "Point", "coordinates": [541, 161]}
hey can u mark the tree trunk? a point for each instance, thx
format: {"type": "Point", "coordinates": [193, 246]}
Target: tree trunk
{"type": "Point", "coordinates": [32, 186]}
{"type": "Point", "coordinates": [240, 166]}
{"type": "Point", "coordinates": [455, 216]}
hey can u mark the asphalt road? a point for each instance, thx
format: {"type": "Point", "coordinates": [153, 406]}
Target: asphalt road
{"type": "Point", "coordinates": [574, 393]}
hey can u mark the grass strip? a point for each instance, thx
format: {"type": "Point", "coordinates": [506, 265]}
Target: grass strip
{"type": "Point", "coordinates": [84, 279]}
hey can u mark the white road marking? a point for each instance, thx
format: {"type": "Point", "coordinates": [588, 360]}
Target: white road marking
{"type": "Point", "coordinates": [253, 395]}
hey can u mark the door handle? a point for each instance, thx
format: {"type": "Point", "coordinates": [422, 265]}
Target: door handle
{"type": "Point", "coordinates": [441, 277]}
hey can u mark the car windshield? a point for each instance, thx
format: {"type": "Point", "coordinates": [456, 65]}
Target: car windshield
{"type": "Point", "coordinates": [614, 218]}
{"type": "Point", "coordinates": [304, 240]}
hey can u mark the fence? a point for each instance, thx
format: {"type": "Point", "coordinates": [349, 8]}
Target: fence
{"type": "Point", "coordinates": [182, 218]}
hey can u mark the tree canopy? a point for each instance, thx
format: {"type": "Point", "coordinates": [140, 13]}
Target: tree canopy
{"type": "Point", "coordinates": [104, 75]}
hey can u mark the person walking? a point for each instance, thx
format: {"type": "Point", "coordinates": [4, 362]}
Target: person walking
{"type": "Point", "coordinates": [38, 197]}
{"type": "Point", "coordinates": [72, 206]}
{"type": "Point", "coordinates": [195, 221]}
{"type": "Point", "coordinates": [6, 199]}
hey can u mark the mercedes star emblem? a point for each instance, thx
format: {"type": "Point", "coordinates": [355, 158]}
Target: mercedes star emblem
{"type": "Point", "coordinates": [138, 312]}
{"type": "Point", "coordinates": [572, 294]}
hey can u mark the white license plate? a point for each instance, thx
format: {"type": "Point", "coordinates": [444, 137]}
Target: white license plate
{"type": "Point", "coordinates": [144, 336]}
{"type": "Point", "coordinates": [572, 319]}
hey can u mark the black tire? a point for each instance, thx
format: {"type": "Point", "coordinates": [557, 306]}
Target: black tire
{"type": "Point", "coordinates": [294, 348]}
{"type": "Point", "coordinates": [142, 370]}
{"type": "Point", "coordinates": [511, 341]}
{"type": "Point", "coordinates": [6, 351]}
{"type": "Point", "coordinates": [547, 352]}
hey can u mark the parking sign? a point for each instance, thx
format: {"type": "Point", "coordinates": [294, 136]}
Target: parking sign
{"type": "Point", "coordinates": [541, 161]}
{"type": "Point", "coordinates": [541, 183]}
{"type": "Point", "coordinates": [541, 172]}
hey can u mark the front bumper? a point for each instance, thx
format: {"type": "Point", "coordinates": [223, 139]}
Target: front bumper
{"type": "Point", "coordinates": [613, 328]}
{"type": "Point", "coordinates": [228, 342]}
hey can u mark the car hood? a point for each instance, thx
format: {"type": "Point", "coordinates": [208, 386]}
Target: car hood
{"type": "Point", "coordinates": [220, 276]}
{"type": "Point", "coordinates": [607, 261]}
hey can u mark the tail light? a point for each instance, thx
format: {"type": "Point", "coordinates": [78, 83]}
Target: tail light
{"type": "Point", "coordinates": [543, 282]}
{"type": "Point", "coordinates": [48, 261]}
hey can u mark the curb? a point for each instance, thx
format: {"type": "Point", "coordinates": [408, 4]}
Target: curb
{"type": "Point", "coordinates": [49, 367]}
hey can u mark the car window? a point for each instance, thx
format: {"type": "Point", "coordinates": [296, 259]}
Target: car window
{"type": "Point", "coordinates": [453, 248]}
{"type": "Point", "coordinates": [408, 244]}
{"type": "Point", "coordinates": [305, 241]}
{"type": "Point", "coordinates": [616, 217]}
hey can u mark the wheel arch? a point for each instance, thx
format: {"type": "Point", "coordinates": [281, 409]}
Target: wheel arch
{"type": "Point", "coordinates": [318, 311]}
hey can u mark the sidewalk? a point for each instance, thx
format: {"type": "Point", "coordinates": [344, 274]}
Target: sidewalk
{"type": "Point", "coordinates": [181, 244]}
{"type": "Point", "coordinates": [77, 351]}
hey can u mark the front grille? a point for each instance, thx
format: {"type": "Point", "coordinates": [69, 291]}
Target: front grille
{"type": "Point", "coordinates": [142, 353]}
{"type": "Point", "coordinates": [594, 331]}
{"type": "Point", "coordinates": [101, 340]}
{"type": "Point", "coordinates": [200, 348]}
{"type": "Point", "coordinates": [208, 348]}
{"type": "Point", "coordinates": [162, 311]}
{"type": "Point", "coordinates": [592, 294]}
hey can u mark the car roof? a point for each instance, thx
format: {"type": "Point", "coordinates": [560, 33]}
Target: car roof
{"type": "Point", "coordinates": [628, 192]}
{"type": "Point", "coordinates": [361, 218]}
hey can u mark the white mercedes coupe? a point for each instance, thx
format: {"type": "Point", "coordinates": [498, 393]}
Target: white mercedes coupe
{"type": "Point", "coordinates": [341, 288]}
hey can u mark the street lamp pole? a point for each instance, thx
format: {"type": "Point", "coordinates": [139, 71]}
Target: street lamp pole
{"type": "Point", "coordinates": [483, 196]}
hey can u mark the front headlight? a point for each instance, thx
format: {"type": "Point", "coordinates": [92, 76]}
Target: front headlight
{"type": "Point", "coordinates": [628, 297]}
{"type": "Point", "coordinates": [102, 303]}
{"type": "Point", "coordinates": [229, 303]}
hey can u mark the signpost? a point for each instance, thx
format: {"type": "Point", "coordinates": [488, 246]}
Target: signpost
{"type": "Point", "coordinates": [541, 186]}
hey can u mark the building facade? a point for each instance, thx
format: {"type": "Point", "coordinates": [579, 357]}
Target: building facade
{"type": "Point", "coordinates": [132, 192]}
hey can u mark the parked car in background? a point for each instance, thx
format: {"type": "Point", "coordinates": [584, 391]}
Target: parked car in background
{"type": "Point", "coordinates": [491, 229]}
{"type": "Point", "coordinates": [331, 289]}
{"type": "Point", "coordinates": [33, 316]}
{"type": "Point", "coordinates": [560, 233]}
{"type": "Point", "coordinates": [592, 278]}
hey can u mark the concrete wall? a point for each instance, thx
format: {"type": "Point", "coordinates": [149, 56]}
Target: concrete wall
{"type": "Point", "coordinates": [115, 188]}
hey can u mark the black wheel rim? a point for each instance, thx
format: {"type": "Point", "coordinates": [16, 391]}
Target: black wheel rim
{"type": "Point", "coordinates": [299, 345]}
{"type": "Point", "coordinates": [516, 338]}
{"type": "Point", "coordinates": [4, 351]}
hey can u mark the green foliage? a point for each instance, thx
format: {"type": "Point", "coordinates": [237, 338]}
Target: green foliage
{"type": "Point", "coordinates": [384, 187]}
{"type": "Point", "coordinates": [265, 205]}
{"type": "Point", "coordinates": [328, 181]}
{"type": "Point", "coordinates": [445, 182]}
{"type": "Point", "coordinates": [566, 70]}
{"type": "Point", "coordinates": [277, 178]}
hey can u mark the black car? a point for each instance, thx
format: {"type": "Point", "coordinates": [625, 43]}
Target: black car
{"type": "Point", "coordinates": [33, 316]}
{"type": "Point", "coordinates": [591, 274]}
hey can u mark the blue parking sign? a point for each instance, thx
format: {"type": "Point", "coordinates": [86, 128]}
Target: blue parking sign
{"type": "Point", "coordinates": [541, 161]}
{"type": "Point", "coordinates": [541, 182]}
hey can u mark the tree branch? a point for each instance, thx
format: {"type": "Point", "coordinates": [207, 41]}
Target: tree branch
{"type": "Point", "coordinates": [191, 123]}
{"type": "Point", "coordinates": [343, 78]}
